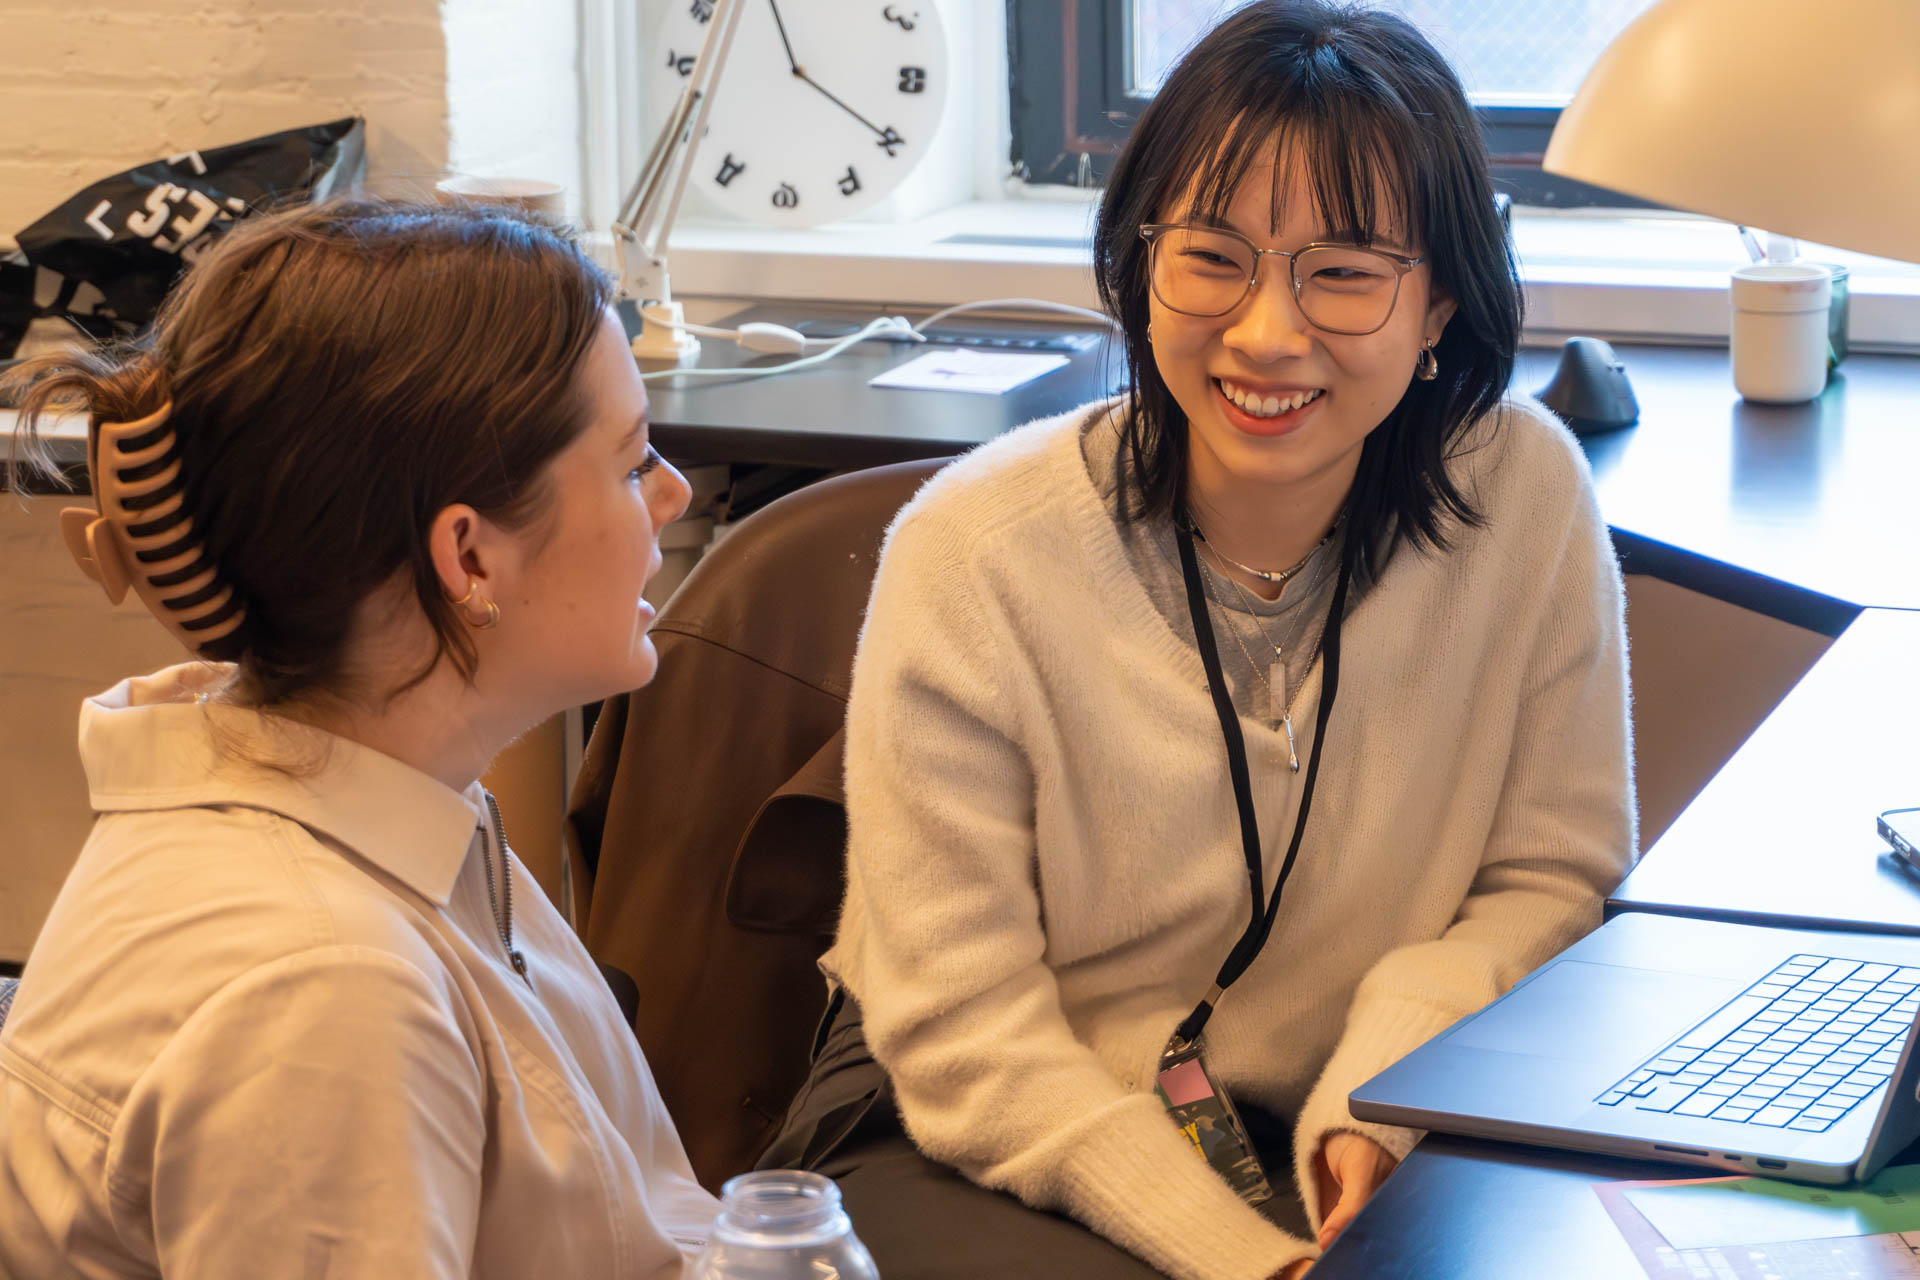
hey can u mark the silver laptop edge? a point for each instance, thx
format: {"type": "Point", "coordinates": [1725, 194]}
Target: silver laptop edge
{"type": "Point", "coordinates": [1501, 1074]}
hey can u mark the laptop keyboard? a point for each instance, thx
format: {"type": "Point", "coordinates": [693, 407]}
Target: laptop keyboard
{"type": "Point", "coordinates": [1796, 1050]}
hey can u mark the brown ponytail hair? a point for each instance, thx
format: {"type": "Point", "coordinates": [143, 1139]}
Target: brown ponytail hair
{"type": "Point", "coordinates": [340, 374]}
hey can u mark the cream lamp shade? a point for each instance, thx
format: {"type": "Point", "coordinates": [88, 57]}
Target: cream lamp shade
{"type": "Point", "coordinates": [1797, 117]}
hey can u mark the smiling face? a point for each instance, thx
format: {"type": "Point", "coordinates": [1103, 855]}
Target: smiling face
{"type": "Point", "coordinates": [1270, 399]}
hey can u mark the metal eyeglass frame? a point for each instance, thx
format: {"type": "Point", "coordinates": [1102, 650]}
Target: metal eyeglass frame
{"type": "Point", "coordinates": [1152, 231]}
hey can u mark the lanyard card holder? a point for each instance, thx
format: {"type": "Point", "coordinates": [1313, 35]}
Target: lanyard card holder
{"type": "Point", "coordinates": [1203, 1111]}
{"type": "Point", "coordinates": [1198, 1105]}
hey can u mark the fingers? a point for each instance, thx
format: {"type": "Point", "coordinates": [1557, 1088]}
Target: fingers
{"type": "Point", "coordinates": [1327, 1184]}
{"type": "Point", "coordinates": [1352, 1168]}
{"type": "Point", "coordinates": [1353, 1197]}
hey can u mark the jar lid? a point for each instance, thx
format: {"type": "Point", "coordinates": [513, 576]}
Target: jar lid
{"type": "Point", "coordinates": [1782, 286]}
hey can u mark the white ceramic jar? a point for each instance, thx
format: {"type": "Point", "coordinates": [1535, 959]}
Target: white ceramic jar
{"type": "Point", "coordinates": [1780, 331]}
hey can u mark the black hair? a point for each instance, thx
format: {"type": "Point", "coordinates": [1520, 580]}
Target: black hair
{"type": "Point", "coordinates": [1382, 127]}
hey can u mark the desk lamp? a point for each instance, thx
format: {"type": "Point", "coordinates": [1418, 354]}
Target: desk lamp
{"type": "Point", "coordinates": [1794, 116]}
{"type": "Point", "coordinates": [647, 214]}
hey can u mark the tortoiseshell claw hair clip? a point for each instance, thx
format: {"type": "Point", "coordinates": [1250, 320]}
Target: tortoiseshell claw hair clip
{"type": "Point", "coordinates": [141, 536]}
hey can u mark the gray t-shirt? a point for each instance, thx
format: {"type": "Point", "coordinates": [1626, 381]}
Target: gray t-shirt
{"type": "Point", "coordinates": [1245, 627]}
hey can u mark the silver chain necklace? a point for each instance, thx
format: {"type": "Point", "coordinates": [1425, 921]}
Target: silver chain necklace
{"type": "Point", "coordinates": [503, 921]}
{"type": "Point", "coordinates": [1281, 576]}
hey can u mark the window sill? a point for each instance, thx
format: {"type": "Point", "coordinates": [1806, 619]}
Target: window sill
{"type": "Point", "coordinates": [1645, 277]}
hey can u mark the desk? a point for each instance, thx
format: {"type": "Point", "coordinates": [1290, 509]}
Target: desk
{"type": "Point", "coordinates": [1798, 511]}
{"type": "Point", "coordinates": [828, 417]}
{"type": "Point", "coordinates": [1466, 1210]}
{"type": "Point", "coordinates": [1785, 828]}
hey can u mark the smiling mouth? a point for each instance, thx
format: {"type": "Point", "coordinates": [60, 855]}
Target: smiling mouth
{"type": "Point", "coordinates": [1255, 405]}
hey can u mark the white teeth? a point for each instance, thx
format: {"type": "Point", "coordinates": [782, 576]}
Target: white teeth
{"type": "Point", "coordinates": [1267, 406]}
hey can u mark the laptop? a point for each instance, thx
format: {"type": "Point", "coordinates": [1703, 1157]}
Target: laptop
{"type": "Point", "coordinates": [1782, 1052]}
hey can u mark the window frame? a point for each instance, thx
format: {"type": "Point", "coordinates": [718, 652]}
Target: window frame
{"type": "Point", "coordinates": [1070, 111]}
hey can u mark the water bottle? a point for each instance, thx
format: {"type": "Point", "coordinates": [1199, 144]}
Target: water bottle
{"type": "Point", "coordinates": [778, 1224]}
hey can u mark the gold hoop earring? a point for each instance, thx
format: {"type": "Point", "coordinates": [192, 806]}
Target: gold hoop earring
{"type": "Point", "coordinates": [1427, 367]}
{"type": "Point", "coordinates": [493, 615]}
{"type": "Point", "coordinates": [473, 585]}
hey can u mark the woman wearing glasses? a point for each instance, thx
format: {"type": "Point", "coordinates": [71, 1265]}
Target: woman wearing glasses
{"type": "Point", "coordinates": [1227, 741]}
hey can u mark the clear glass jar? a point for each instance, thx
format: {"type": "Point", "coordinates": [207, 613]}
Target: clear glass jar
{"type": "Point", "coordinates": [782, 1225]}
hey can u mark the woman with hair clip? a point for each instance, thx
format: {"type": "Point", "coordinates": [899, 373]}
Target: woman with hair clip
{"type": "Point", "coordinates": [298, 1009]}
{"type": "Point", "coordinates": [1210, 749]}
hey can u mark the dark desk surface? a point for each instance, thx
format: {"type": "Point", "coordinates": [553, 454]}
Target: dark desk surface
{"type": "Point", "coordinates": [828, 416]}
{"type": "Point", "coordinates": [1817, 497]}
{"type": "Point", "coordinates": [1461, 1210]}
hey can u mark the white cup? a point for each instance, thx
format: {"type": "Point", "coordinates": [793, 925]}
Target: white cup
{"type": "Point", "coordinates": [1780, 331]}
{"type": "Point", "coordinates": [536, 195]}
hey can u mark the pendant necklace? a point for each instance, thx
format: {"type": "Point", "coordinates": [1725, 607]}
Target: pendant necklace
{"type": "Point", "coordinates": [1279, 705]}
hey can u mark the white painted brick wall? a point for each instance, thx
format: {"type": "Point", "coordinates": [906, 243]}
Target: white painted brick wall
{"type": "Point", "coordinates": [478, 86]}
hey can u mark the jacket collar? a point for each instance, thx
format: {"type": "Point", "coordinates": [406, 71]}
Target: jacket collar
{"type": "Point", "coordinates": [147, 744]}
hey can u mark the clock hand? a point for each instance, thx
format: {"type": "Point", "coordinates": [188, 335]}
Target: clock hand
{"type": "Point", "coordinates": [878, 132]}
{"type": "Point", "coordinates": [786, 43]}
{"type": "Point", "coordinates": [800, 73]}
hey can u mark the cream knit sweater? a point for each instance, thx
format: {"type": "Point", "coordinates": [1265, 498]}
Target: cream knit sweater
{"type": "Point", "coordinates": [1044, 863]}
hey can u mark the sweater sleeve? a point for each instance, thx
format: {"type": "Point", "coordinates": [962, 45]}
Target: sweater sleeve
{"type": "Point", "coordinates": [943, 942]}
{"type": "Point", "coordinates": [1562, 836]}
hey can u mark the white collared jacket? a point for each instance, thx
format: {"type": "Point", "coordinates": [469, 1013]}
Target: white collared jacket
{"type": "Point", "coordinates": [270, 1029]}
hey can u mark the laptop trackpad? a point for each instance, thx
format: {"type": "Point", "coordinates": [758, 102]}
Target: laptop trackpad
{"type": "Point", "coordinates": [1596, 1013]}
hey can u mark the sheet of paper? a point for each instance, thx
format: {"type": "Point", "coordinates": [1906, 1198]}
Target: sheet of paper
{"type": "Point", "coordinates": [988, 373]}
{"type": "Point", "coordinates": [1748, 1211]}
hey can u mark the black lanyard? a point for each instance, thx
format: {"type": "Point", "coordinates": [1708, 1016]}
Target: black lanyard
{"type": "Point", "coordinates": [1261, 925]}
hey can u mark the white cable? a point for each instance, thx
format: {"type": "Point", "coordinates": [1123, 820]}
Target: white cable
{"type": "Point", "coordinates": [1033, 304]}
{"type": "Point", "coordinates": [881, 324]}
{"type": "Point", "coordinates": [777, 339]}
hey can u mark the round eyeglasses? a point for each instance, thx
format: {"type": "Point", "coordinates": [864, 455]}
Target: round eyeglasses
{"type": "Point", "coordinates": [1208, 271]}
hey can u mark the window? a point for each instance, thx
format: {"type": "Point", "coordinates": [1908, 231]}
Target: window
{"type": "Point", "coordinates": [1081, 71]}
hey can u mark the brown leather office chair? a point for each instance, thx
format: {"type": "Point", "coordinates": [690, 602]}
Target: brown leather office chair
{"type": "Point", "coordinates": [708, 817]}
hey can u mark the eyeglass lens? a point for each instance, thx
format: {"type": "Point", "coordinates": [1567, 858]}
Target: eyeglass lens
{"type": "Point", "coordinates": [1205, 273]}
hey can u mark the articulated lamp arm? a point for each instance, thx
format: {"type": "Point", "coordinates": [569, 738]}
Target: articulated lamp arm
{"type": "Point", "coordinates": [653, 202]}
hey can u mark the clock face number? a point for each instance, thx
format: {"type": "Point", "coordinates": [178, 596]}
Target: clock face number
{"type": "Point", "coordinates": [811, 89]}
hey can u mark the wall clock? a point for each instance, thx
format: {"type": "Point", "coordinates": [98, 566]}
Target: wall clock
{"type": "Point", "coordinates": [822, 107]}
